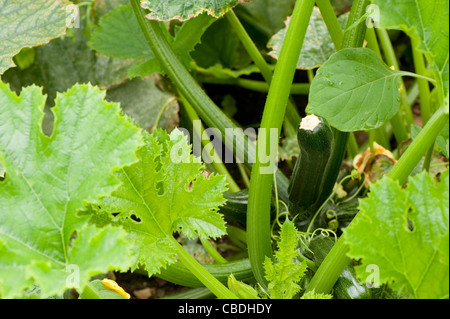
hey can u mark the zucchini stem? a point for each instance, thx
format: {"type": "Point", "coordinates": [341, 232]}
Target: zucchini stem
{"type": "Point", "coordinates": [259, 199]}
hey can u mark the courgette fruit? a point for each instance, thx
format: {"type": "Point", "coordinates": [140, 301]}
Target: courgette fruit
{"type": "Point", "coordinates": [316, 140]}
{"type": "Point", "coordinates": [235, 208]}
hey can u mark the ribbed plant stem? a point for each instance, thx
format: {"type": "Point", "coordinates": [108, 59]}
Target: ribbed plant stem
{"type": "Point", "coordinates": [209, 112]}
{"type": "Point", "coordinates": [334, 263]}
{"type": "Point", "coordinates": [259, 60]}
{"type": "Point", "coordinates": [420, 145]}
{"type": "Point", "coordinates": [202, 274]}
{"type": "Point", "coordinates": [259, 199]}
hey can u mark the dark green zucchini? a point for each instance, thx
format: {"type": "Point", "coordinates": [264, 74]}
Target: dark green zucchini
{"type": "Point", "coordinates": [315, 139]}
{"type": "Point", "coordinates": [235, 208]}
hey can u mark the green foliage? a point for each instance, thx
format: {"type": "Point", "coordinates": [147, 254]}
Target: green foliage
{"type": "Point", "coordinates": [48, 180]}
{"type": "Point", "coordinates": [120, 36]}
{"type": "Point", "coordinates": [143, 101]}
{"type": "Point", "coordinates": [426, 20]}
{"type": "Point", "coordinates": [317, 46]}
{"type": "Point", "coordinates": [164, 192]}
{"type": "Point", "coordinates": [355, 90]}
{"type": "Point", "coordinates": [286, 272]}
{"type": "Point", "coordinates": [313, 295]}
{"type": "Point", "coordinates": [182, 10]}
{"type": "Point", "coordinates": [120, 26]}
{"type": "Point", "coordinates": [47, 19]}
{"type": "Point", "coordinates": [408, 239]}
{"type": "Point", "coordinates": [241, 290]}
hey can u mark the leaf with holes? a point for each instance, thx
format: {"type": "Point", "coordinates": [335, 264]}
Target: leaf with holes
{"type": "Point", "coordinates": [47, 181]}
{"type": "Point", "coordinates": [408, 237]}
{"type": "Point", "coordinates": [165, 192]}
{"type": "Point", "coordinates": [354, 90]}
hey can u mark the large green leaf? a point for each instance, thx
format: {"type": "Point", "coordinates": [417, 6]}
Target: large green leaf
{"type": "Point", "coordinates": [426, 20]}
{"type": "Point", "coordinates": [405, 233]}
{"type": "Point", "coordinates": [184, 10]}
{"type": "Point", "coordinates": [317, 46]}
{"type": "Point", "coordinates": [355, 90]}
{"type": "Point", "coordinates": [48, 180]}
{"type": "Point", "coordinates": [29, 23]}
{"type": "Point", "coordinates": [165, 192]}
{"type": "Point", "coordinates": [65, 61]}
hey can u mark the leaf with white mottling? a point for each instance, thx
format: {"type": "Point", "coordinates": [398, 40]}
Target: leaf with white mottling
{"type": "Point", "coordinates": [184, 10]}
{"type": "Point", "coordinates": [29, 23]}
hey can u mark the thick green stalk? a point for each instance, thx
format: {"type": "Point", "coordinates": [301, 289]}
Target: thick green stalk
{"type": "Point", "coordinates": [324, 279]}
{"type": "Point", "coordinates": [330, 269]}
{"type": "Point", "coordinates": [259, 60]}
{"type": "Point", "coordinates": [353, 38]}
{"type": "Point", "coordinates": [249, 46]}
{"type": "Point", "coordinates": [417, 149]}
{"type": "Point", "coordinates": [332, 23]}
{"type": "Point", "coordinates": [259, 199]}
{"type": "Point", "coordinates": [424, 88]}
{"type": "Point", "coordinates": [254, 85]}
{"type": "Point", "coordinates": [218, 258]}
{"type": "Point", "coordinates": [216, 161]}
{"type": "Point", "coordinates": [186, 85]}
{"type": "Point", "coordinates": [391, 60]}
{"type": "Point", "coordinates": [424, 93]}
{"type": "Point", "coordinates": [202, 274]}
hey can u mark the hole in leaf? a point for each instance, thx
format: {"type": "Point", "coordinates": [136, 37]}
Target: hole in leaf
{"type": "Point", "coordinates": [135, 218]}
{"type": "Point", "coordinates": [160, 188]}
{"type": "Point", "coordinates": [158, 165]}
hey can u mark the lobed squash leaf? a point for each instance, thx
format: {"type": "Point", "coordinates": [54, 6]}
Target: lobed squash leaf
{"type": "Point", "coordinates": [165, 192]}
{"type": "Point", "coordinates": [408, 241]}
{"type": "Point", "coordinates": [47, 181]}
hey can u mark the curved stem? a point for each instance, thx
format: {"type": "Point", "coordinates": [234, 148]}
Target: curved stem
{"type": "Point", "coordinates": [208, 147]}
{"type": "Point", "coordinates": [259, 199]}
{"type": "Point", "coordinates": [257, 57]}
{"type": "Point", "coordinates": [202, 274]}
{"type": "Point", "coordinates": [210, 113]}
{"type": "Point", "coordinates": [334, 263]}
{"type": "Point", "coordinates": [332, 23]}
{"type": "Point", "coordinates": [417, 149]}
{"type": "Point", "coordinates": [254, 85]}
